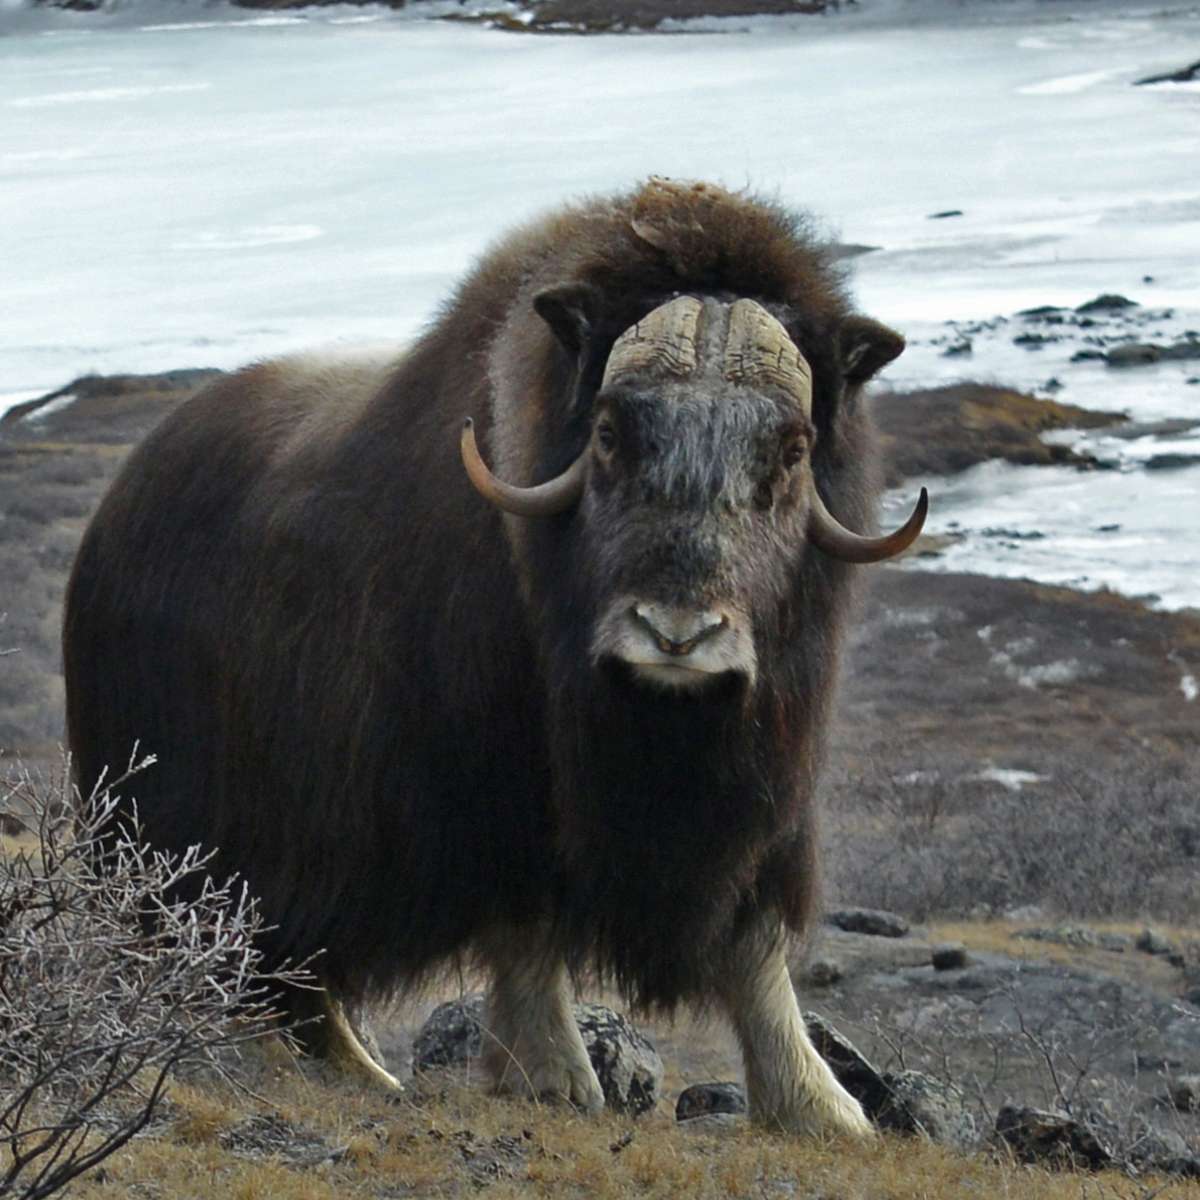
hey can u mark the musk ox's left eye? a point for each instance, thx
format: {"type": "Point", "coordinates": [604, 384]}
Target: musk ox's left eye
{"type": "Point", "coordinates": [793, 454]}
{"type": "Point", "coordinates": [606, 438]}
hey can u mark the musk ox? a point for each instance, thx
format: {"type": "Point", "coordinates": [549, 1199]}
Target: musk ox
{"type": "Point", "coordinates": [560, 711]}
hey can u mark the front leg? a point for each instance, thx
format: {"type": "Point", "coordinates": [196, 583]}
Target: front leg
{"type": "Point", "coordinates": [789, 1085]}
{"type": "Point", "coordinates": [531, 1043]}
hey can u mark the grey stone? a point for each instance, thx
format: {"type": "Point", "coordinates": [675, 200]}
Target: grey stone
{"type": "Point", "coordinates": [706, 1099]}
{"type": "Point", "coordinates": [1133, 354]}
{"type": "Point", "coordinates": [921, 1104]}
{"type": "Point", "coordinates": [824, 972]}
{"type": "Point", "coordinates": [625, 1061]}
{"type": "Point", "coordinates": [875, 921]}
{"type": "Point", "coordinates": [1150, 941]}
{"type": "Point", "coordinates": [949, 956]}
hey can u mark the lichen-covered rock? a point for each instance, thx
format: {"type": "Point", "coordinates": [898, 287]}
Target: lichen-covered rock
{"type": "Point", "coordinates": [904, 1101]}
{"type": "Point", "coordinates": [452, 1034]}
{"type": "Point", "coordinates": [921, 1104]}
{"type": "Point", "coordinates": [708, 1099]}
{"type": "Point", "coordinates": [625, 1061]}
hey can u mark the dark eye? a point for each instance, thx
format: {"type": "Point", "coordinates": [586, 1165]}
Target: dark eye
{"type": "Point", "coordinates": [793, 454]}
{"type": "Point", "coordinates": [606, 438]}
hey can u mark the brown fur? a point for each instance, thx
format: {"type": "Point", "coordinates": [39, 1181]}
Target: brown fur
{"type": "Point", "coordinates": [371, 692]}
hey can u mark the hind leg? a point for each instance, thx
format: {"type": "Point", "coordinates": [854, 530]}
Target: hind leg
{"type": "Point", "coordinates": [531, 1043]}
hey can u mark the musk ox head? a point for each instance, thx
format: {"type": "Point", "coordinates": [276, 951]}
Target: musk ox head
{"type": "Point", "coordinates": [694, 503]}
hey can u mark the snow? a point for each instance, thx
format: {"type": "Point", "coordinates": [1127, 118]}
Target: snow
{"type": "Point", "coordinates": [189, 184]}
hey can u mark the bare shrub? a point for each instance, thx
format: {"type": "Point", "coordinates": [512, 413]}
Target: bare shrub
{"type": "Point", "coordinates": [109, 980]}
{"type": "Point", "coordinates": [1085, 842]}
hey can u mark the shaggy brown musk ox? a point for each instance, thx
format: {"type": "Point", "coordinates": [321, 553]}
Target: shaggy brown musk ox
{"type": "Point", "coordinates": [579, 734]}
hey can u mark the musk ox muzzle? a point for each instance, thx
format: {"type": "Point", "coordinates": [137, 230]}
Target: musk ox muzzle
{"type": "Point", "coordinates": [757, 353]}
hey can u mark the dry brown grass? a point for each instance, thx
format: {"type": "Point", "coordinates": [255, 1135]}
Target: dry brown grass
{"type": "Point", "coordinates": [440, 1140]}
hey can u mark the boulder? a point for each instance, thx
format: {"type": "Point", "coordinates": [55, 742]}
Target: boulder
{"type": "Point", "coordinates": [1057, 1139]}
{"type": "Point", "coordinates": [909, 1102]}
{"type": "Point", "coordinates": [1150, 941]}
{"type": "Point", "coordinates": [823, 972]}
{"type": "Point", "coordinates": [868, 920]}
{"type": "Point", "coordinates": [625, 1061]}
{"type": "Point", "coordinates": [1107, 302]}
{"type": "Point", "coordinates": [1183, 1092]}
{"type": "Point", "coordinates": [1133, 354]}
{"type": "Point", "coordinates": [949, 956]}
{"type": "Point", "coordinates": [710, 1099]}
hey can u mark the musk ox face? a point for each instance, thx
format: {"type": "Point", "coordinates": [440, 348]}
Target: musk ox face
{"type": "Point", "coordinates": [694, 499]}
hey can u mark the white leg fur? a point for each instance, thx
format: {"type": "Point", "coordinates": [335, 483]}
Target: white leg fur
{"type": "Point", "coordinates": [532, 1045]}
{"type": "Point", "coordinates": [343, 1047]}
{"type": "Point", "coordinates": [789, 1085]}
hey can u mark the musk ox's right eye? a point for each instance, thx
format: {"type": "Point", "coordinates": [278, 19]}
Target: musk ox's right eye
{"type": "Point", "coordinates": [606, 438]}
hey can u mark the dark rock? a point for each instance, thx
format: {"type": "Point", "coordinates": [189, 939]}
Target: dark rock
{"type": "Point", "coordinates": [1053, 384]}
{"type": "Point", "coordinates": [868, 920]}
{"type": "Point", "coordinates": [1183, 1092]}
{"type": "Point", "coordinates": [707, 1099]}
{"type": "Point", "coordinates": [1171, 462]}
{"type": "Point", "coordinates": [1183, 75]}
{"type": "Point", "coordinates": [959, 349]}
{"type": "Point", "coordinates": [949, 956]}
{"type": "Point", "coordinates": [1057, 1139]}
{"type": "Point", "coordinates": [1089, 356]}
{"type": "Point", "coordinates": [824, 972]}
{"type": "Point", "coordinates": [1157, 1062]}
{"type": "Point", "coordinates": [1133, 354]}
{"type": "Point", "coordinates": [1034, 341]}
{"type": "Point", "coordinates": [941, 216]}
{"type": "Point", "coordinates": [1042, 311]}
{"type": "Point", "coordinates": [1150, 941]}
{"type": "Point", "coordinates": [1107, 302]}
{"type": "Point", "coordinates": [1185, 348]}
{"type": "Point", "coordinates": [625, 1061]}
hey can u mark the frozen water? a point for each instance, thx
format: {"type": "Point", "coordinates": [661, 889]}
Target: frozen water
{"type": "Point", "coordinates": [196, 185]}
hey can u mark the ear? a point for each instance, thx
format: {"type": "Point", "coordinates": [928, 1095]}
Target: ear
{"type": "Point", "coordinates": [866, 347]}
{"type": "Point", "coordinates": [570, 310]}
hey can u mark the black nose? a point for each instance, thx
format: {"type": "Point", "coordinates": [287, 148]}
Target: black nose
{"type": "Point", "coordinates": [677, 632]}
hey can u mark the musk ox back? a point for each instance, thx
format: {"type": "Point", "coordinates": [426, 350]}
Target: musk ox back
{"type": "Point", "coordinates": [557, 704]}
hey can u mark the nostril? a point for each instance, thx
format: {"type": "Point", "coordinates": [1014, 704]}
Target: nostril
{"type": "Point", "coordinates": [677, 632]}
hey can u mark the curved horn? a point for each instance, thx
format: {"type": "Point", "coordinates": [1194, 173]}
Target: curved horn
{"type": "Point", "coordinates": [554, 496]}
{"type": "Point", "coordinates": [827, 533]}
{"type": "Point", "coordinates": [664, 338]}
